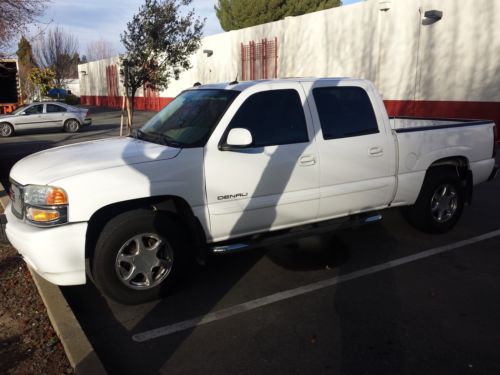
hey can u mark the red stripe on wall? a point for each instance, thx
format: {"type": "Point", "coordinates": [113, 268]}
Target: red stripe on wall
{"type": "Point", "coordinates": [140, 103]}
{"type": "Point", "coordinates": [446, 109]}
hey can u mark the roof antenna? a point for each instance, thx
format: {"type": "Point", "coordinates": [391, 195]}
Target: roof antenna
{"type": "Point", "coordinates": [196, 84]}
{"type": "Point", "coordinates": [235, 82]}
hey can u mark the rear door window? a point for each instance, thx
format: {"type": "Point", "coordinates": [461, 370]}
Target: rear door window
{"type": "Point", "coordinates": [54, 108]}
{"type": "Point", "coordinates": [344, 112]}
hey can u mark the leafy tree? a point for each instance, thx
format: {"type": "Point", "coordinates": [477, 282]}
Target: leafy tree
{"type": "Point", "coordinates": [43, 79]}
{"type": "Point", "coordinates": [159, 40]}
{"type": "Point", "coordinates": [15, 16]}
{"type": "Point", "coordinates": [27, 62]}
{"type": "Point", "coordinates": [58, 51]}
{"type": "Point", "coordinates": [237, 14]}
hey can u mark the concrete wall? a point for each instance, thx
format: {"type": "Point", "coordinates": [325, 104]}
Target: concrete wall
{"type": "Point", "coordinates": [450, 67]}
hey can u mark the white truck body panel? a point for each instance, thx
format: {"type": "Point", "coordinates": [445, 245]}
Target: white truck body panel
{"type": "Point", "coordinates": [280, 183]}
{"type": "Point", "coordinates": [236, 193]}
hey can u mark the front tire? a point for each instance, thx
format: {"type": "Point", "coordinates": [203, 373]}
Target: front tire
{"type": "Point", "coordinates": [6, 129]}
{"type": "Point", "coordinates": [440, 202]}
{"type": "Point", "coordinates": [139, 256]}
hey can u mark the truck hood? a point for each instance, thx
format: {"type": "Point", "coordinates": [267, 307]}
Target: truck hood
{"type": "Point", "coordinates": [54, 164]}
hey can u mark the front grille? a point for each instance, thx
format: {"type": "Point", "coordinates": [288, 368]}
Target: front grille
{"type": "Point", "coordinates": [17, 198]}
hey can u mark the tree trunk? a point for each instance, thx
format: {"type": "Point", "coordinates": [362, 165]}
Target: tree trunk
{"type": "Point", "coordinates": [132, 100]}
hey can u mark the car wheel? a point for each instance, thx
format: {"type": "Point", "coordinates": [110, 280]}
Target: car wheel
{"type": "Point", "coordinates": [6, 129]}
{"type": "Point", "coordinates": [440, 202]}
{"type": "Point", "coordinates": [139, 256]}
{"type": "Point", "coordinates": [71, 126]}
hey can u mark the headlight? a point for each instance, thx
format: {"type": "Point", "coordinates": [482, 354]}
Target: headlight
{"type": "Point", "coordinates": [45, 205]}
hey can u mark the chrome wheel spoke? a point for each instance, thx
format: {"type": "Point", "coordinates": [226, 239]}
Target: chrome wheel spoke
{"type": "Point", "coordinates": [131, 274]}
{"type": "Point", "coordinates": [444, 203]}
{"type": "Point", "coordinates": [144, 261]}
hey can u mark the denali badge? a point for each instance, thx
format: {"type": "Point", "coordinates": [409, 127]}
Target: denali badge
{"type": "Point", "coordinates": [232, 196]}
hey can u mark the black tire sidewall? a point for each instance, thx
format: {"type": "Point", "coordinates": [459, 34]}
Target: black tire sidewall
{"type": "Point", "coordinates": [420, 215]}
{"type": "Point", "coordinates": [115, 234]}
{"type": "Point", "coordinates": [10, 127]}
{"type": "Point", "coordinates": [67, 128]}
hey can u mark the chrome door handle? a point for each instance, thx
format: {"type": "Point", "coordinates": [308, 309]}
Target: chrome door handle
{"type": "Point", "coordinates": [307, 160]}
{"type": "Point", "coordinates": [376, 151]}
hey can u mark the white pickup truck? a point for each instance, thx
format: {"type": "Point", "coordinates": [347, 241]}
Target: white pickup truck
{"type": "Point", "coordinates": [225, 167]}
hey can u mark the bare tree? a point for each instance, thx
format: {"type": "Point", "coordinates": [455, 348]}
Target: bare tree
{"type": "Point", "coordinates": [99, 49]}
{"type": "Point", "coordinates": [58, 51]}
{"type": "Point", "coordinates": [15, 16]}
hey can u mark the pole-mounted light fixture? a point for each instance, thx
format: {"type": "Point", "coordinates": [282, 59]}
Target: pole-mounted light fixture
{"type": "Point", "coordinates": [434, 15]}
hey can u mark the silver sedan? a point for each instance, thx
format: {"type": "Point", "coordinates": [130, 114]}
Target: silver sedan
{"type": "Point", "coordinates": [44, 116]}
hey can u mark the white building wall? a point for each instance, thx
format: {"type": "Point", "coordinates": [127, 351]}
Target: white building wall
{"type": "Point", "coordinates": [454, 59]}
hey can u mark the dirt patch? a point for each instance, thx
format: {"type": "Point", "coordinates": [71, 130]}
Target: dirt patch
{"type": "Point", "coordinates": [28, 343]}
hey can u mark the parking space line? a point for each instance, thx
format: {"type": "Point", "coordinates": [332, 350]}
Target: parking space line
{"type": "Point", "coordinates": [280, 296]}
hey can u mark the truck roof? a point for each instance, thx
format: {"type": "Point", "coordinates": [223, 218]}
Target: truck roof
{"type": "Point", "coordinates": [241, 86]}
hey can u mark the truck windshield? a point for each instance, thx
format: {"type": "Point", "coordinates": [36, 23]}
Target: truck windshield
{"type": "Point", "coordinates": [189, 119]}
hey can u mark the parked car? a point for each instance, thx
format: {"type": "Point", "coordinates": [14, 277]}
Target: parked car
{"type": "Point", "coordinates": [44, 115]}
{"type": "Point", "coordinates": [230, 166]}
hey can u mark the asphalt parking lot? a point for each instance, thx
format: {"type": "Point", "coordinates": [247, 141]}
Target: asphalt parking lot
{"type": "Point", "coordinates": [380, 299]}
{"type": "Point", "coordinates": [317, 306]}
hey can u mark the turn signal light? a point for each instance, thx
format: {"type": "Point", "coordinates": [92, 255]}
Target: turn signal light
{"type": "Point", "coordinates": [42, 216]}
{"type": "Point", "coordinates": [56, 197]}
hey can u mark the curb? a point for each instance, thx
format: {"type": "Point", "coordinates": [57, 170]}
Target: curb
{"type": "Point", "coordinates": [80, 353]}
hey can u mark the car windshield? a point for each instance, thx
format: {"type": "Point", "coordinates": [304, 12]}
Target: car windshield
{"type": "Point", "coordinates": [189, 119]}
{"type": "Point", "coordinates": [19, 110]}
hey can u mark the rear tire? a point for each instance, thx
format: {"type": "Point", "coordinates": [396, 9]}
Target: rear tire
{"type": "Point", "coordinates": [71, 126]}
{"type": "Point", "coordinates": [440, 202]}
{"type": "Point", "coordinates": [139, 256]}
{"type": "Point", "coordinates": [6, 129]}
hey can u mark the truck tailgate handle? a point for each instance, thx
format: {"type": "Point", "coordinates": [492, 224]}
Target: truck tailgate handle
{"type": "Point", "coordinates": [307, 160]}
{"type": "Point", "coordinates": [376, 151]}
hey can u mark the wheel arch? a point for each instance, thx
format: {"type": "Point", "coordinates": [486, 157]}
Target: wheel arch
{"type": "Point", "coordinates": [173, 205]}
{"type": "Point", "coordinates": [72, 118]}
{"type": "Point", "coordinates": [460, 164]}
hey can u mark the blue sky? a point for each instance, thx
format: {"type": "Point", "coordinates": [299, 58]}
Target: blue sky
{"type": "Point", "coordinates": [90, 20]}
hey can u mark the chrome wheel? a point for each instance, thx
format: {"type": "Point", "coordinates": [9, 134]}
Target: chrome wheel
{"type": "Point", "coordinates": [144, 261]}
{"type": "Point", "coordinates": [444, 203]}
{"type": "Point", "coordinates": [72, 126]}
{"type": "Point", "coordinates": [5, 130]}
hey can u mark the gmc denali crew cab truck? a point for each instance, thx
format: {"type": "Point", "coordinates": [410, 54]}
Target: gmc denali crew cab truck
{"type": "Point", "coordinates": [226, 165]}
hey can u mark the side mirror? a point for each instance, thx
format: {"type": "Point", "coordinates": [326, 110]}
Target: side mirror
{"type": "Point", "coordinates": [238, 138]}
{"type": "Point", "coordinates": [22, 113]}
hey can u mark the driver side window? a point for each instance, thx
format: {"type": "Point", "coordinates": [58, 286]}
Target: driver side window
{"type": "Point", "coordinates": [34, 110]}
{"type": "Point", "coordinates": [273, 117]}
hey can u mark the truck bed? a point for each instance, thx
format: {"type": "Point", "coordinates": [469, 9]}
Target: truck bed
{"type": "Point", "coordinates": [407, 124]}
{"type": "Point", "coordinates": [423, 141]}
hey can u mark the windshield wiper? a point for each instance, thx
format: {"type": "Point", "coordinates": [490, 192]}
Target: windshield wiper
{"type": "Point", "coordinates": [171, 142]}
{"type": "Point", "coordinates": [157, 138]}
